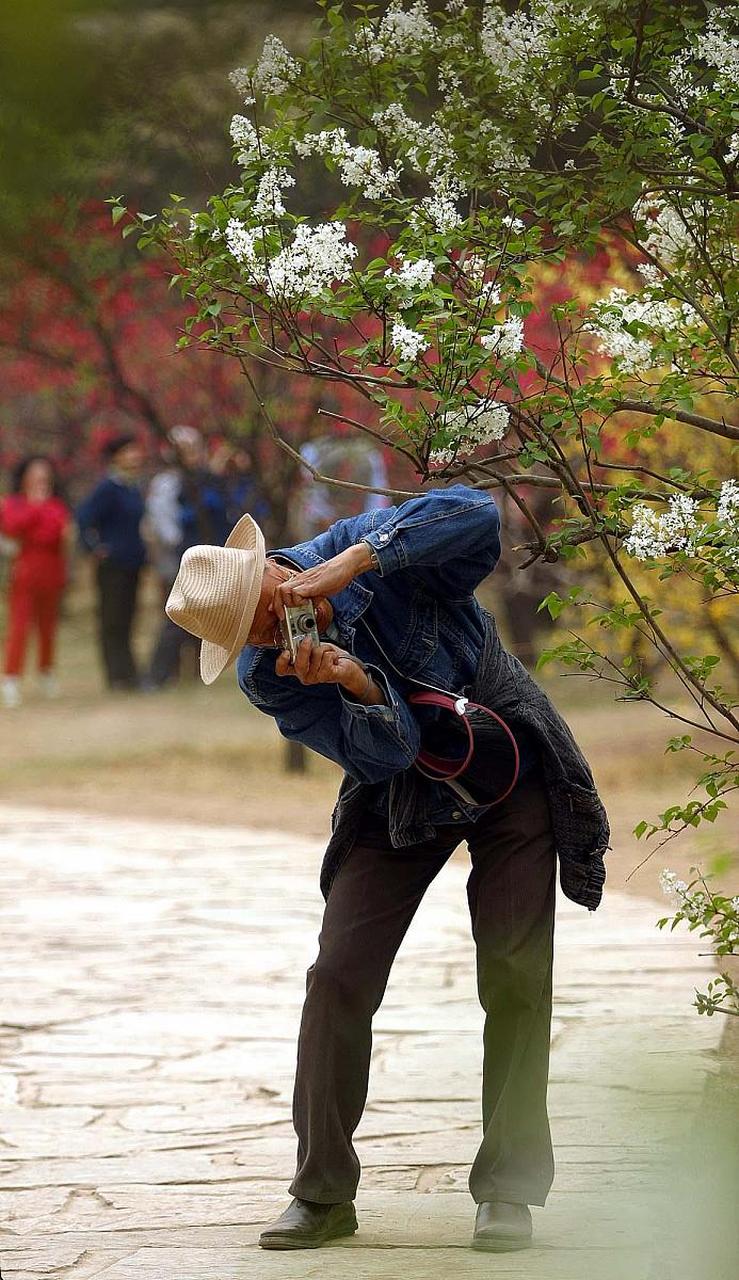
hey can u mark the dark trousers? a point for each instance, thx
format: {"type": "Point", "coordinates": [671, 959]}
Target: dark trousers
{"type": "Point", "coordinates": [117, 591]}
{"type": "Point", "coordinates": [165, 662]}
{"type": "Point", "coordinates": [511, 893]}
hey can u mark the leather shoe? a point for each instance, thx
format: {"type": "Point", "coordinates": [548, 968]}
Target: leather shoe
{"type": "Point", "coordinates": [500, 1226]}
{"type": "Point", "coordinates": [307, 1225]}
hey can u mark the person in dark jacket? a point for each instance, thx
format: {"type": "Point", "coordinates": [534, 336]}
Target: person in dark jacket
{"type": "Point", "coordinates": [109, 522]}
{"type": "Point", "coordinates": [393, 593]}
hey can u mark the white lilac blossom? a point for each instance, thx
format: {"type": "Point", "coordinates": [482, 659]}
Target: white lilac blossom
{"type": "Point", "coordinates": [439, 209]}
{"type": "Point", "coordinates": [316, 258]}
{"type": "Point", "coordinates": [668, 237]}
{"type": "Point", "coordinates": [727, 511]}
{"type": "Point", "coordinates": [416, 139]}
{"type": "Point", "coordinates": [475, 268]}
{"type": "Point", "coordinates": [410, 276]}
{"type": "Point", "coordinates": [401, 33]}
{"type": "Point", "coordinates": [501, 152]}
{"type": "Point", "coordinates": [241, 80]}
{"type": "Point", "coordinates": [507, 341]}
{"type": "Point", "coordinates": [245, 137]}
{"type": "Point", "coordinates": [276, 68]}
{"type": "Point", "coordinates": [358, 166]}
{"type": "Point", "coordinates": [516, 225]}
{"type": "Point", "coordinates": [268, 200]}
{"type": "Point", "coordinates": [409, 343]}
{"type": "Point", "coordinates": [720, 50]}
{"type": "Point", "coordinates": [619, 309]}
{"type": "Point", "coordinates": [474, 425]}
{"type": "Point", "coordinates": [658, 534]}
{"type": "Point", "coordinates": [511, 41]}
{"type": "Point", "coordinates": [670, 885]}
{"type": "Point", "coordinates": [240, 241]}
{"type": "Point", "coordinates": [455, 7]}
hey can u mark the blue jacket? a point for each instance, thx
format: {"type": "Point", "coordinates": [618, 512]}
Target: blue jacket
{"type": "Point", "coordinates": [110, 517]}
{"type": "Point", "coordinates": [433, 551]}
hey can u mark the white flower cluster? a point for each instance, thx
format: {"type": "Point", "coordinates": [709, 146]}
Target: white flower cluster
{"type": "Point", "coordinates": [733, 153]}
{"type": "Point", "coordinates": [240, 242]}
{"type": "Point", "coordinates": [268, 202]}
{"type": "Point", "coordinates": [411, 276]}
{"type": "Point", "coordinates": [409, 343]}
{"type": "Point", "coordinates": [400, 34]}
{"type": "Point", "coordinates": [358, 166]}
{"type": "Point", "coordinates": [244, 136]}
{"type": "Point", "coordinates": [678, 529]}
{"type": "Point", "coordinates": [474, 425]}
{"type": "Point", "coordinates": [619, 309]}
{"type": "Point", "coordinates": [304, 269]}
{"type": "Point", "coordinates": [307, 267]}
{"type": "Point", "coordinates": [727, 511]}
{"type": "Point", "coordinates": [668, 236]}
{"type": "Point", "coordinates": [416, 139]}
{"type": "Point", "coordinates": [670, 885]}
{"type": "Point", "coordinates": [507, 341]}
{"type": "Point", "coordinates": [512, 41]}
{"type": "Point", "coordinates": [241, 80]}
{"type": "Point", "coordinates": [475, 268]}
{"type": "Point", "coordinates": [276, 68]}
{"type": "Point", "coordinates": [653, 535]}
{"type": "Point", "coordinates": [720, 50]}
{"type": "Point", "coordinates": [439, 209]}
{"type": "Point", "coordinates": [693, 903]}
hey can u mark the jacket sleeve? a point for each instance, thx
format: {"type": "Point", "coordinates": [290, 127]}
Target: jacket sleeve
{"type": "Point", "coordinates": [370, 743]}
{"type": "Point", "coordinates": [451, 536]}
{"type": "Point", "coordinates": [90, 513]}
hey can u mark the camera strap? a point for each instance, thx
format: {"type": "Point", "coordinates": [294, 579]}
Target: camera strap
{"type": "Point", "coordinates": [443, 768]}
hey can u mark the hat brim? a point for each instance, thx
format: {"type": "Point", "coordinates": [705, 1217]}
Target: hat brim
{"type": "Point", "coordinates": [214, 658]}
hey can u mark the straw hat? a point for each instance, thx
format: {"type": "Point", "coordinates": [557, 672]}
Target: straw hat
{"type": "Point", "coordinates": [216, 593]}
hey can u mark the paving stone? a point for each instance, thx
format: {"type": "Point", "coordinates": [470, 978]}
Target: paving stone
{"type": "Point", "coordinates": [153, 977]}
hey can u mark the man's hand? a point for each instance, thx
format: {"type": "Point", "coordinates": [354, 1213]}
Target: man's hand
{"type": "Point", "coordinates": [328, 664]}
{"type": "Point", "coordinates": [324, 580]}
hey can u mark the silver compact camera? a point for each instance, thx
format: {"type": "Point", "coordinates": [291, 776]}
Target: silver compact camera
{"type": "Point", "coordinates": [299, 622]}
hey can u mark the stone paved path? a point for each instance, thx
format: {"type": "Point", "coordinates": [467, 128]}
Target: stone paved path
{"type": "Point", "coordinates": [151, 985]}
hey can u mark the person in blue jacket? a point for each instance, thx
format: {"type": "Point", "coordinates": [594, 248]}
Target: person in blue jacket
{"type": "Point", "coordinates": [393, 592]}
{"type": "Point", "coordinates": [109, 521]}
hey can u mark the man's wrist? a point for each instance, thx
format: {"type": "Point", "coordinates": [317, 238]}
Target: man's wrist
{"type": "Point", "coordinates": [363, 557]}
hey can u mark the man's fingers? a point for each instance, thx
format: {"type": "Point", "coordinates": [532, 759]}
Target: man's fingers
{"type": "Point", "coordinates": [283, 665]}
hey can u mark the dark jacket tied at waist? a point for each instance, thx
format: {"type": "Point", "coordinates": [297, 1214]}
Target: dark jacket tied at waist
{"type": "Point", "coordinates": [579, 820]}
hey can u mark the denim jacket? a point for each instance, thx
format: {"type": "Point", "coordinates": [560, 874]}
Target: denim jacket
{"type": "Point", "coordinates": [415, 619]}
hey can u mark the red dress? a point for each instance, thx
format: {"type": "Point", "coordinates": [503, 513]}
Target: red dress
{"type": "Point", "coordinates": [37, 576]}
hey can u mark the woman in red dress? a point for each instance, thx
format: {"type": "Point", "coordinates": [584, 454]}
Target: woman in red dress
{"type": "Point", "coordinates": [37, 521]}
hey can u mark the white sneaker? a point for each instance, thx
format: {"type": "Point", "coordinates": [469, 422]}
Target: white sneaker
{"type": "Point", "coordinates": [48, 684]}
{"type": "Point", "coordinates": [11, 691]}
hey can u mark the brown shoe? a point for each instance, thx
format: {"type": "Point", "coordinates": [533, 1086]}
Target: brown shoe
{"type": "Point", "coordinates": [307, 1225]}
{"type": "Point", "coordinates": [500, 1226]}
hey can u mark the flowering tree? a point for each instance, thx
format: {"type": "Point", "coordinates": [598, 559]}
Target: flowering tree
{"type": "Point", "coordinates": [482, 145]}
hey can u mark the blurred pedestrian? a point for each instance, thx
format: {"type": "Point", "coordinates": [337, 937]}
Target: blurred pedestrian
{"type": "Point", "coordinates": [109, 521]}
{"type": "Point", "coordinates": [241, 488]}
{"type": "Point", "coordinates": [36, 521]}
{"type": "Point", "coordinates": [185, 506]}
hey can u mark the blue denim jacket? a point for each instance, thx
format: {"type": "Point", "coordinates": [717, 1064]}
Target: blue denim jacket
{"type": "Point", "coordinates": [419, 612]}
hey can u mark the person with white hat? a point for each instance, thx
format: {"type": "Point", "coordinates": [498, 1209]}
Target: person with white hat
{"type": "Point", "coordinates": [393, 594]}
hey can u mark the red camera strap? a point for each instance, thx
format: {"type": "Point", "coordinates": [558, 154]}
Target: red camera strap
{"type": "Point", "coordinates": [444, 769]}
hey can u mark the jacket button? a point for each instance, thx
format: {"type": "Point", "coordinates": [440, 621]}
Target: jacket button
{"type": "Point", "coordinates": [456, 815]}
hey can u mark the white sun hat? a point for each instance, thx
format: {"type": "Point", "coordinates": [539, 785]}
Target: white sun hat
{"type": "Point", "coordinates": [216, 593]}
